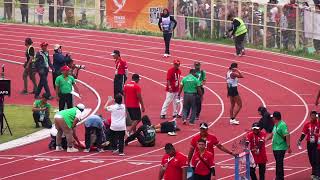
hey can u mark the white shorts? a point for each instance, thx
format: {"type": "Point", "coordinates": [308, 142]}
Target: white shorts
{"type": "Point", "coordinates": [57, 116]}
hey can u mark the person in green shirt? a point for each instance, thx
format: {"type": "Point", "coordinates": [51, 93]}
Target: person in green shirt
{"type": "Point", "coordinates": [66, 123]}
{"type": "Point", "coordinates": [280, 143]}
{"type": "Point", "coordinates": [41, 112]}
{"type": "Point", "coordinates": [191, 88]}
{"type": "Point", "coordinates": [201, 76]}
{"type": "Point", "coordinates": [64, 84]}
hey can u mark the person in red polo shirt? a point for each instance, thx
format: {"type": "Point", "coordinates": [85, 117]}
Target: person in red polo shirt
{"type": "Point", "coordinates": [202, 163]}
{"type": "Point", "coordinates": [173, 165]}
{"type": "Point", "coordinates": [210, 139]}
{"type": "Point", "coordinates": [133, 101]}
{"type": "Point", "coordinates": [311, 131]}
{"type": "Point", "coordinates": [172, 88]}
{"type": "Point", "coordinates": [121, 73]}
{"type": "Point", "coordinates": [256, 142]}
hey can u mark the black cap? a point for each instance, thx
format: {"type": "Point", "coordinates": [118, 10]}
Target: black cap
{"type": "Point", "coordinates": [233, 65]}
{"type": "Point", "coordinates": [255, 126]}
{"type": "Point", "coordinates": [115, 52]}
{"type": "Point", "coordinates": [204, 125]}
{"type": "Point", "coordinates": [276, 115]}
{"type": "Point", "coordinates": [135, 77]}
{"type": "Point", "coordinates": [168, 146]}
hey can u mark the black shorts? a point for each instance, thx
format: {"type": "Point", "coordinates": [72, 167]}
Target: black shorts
{"type": "Point", "coordinates": [233, 91]}
{"type": "Point", "coordinates": [167, 127]}
{"type": "Point", "coordinates": [134, 113]}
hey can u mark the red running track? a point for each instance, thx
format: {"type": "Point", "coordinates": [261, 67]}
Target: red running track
{"type": "Point", "coordinates": [282, 83]}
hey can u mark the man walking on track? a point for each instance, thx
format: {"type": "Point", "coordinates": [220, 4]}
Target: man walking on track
{"type": "Point", "coordinates": [280, 143]}
{"type": "Point", "coordinates": [232, 86]}
{"type": "Point", "coordinates": [256, 142]}
{"type": "Point", "coordinates": [210, 139]}
{"type": "Point", "coordinates": [202, 163]}
{"type": "Point", "coordinates": [133, 101]}
{"type": "Point", "coordinates": [29, 68]}
{"type": "Point", "coordinates": [311, 131]}
{"type": "Point", "coordinates": [172, 88]}
{"type": "Point", "coordinates": [120, 74]}
{"type": "Point", "coordinates": [191, 88]}
{"type": "Point", "coordinates": [201, 76]}
{"type": "Point", "coordinates": [173, 165]}
{"type": "Point", "coordinates": [239, 31]}
{"type": "Point", "coordinates": [64, 84]}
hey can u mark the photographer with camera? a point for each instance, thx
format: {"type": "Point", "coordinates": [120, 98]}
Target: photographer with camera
{"type": "Point", "coordinates": [64, 85]}
{"type": "Point", "coordinates": [238, 31]}
{"type": "Point", "coordinates": [29, 68]}
{"type": "Point", "coordinates": [74, 68]}
{"type": "Point", "coordinates": [59, 60]}
{"type": "Point", "coordinates": [41, 112]}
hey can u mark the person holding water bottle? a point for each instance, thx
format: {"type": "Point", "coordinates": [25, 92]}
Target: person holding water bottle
{"type": "Point", "coordinates": [165, 25]}
{"type": "Point", "coordinates": [311, 132]}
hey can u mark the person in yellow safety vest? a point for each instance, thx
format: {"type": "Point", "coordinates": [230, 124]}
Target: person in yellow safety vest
{"type": "Point", "coordinates": [238, 31]}
{"type": "Point", "coordinates": [29, 68]}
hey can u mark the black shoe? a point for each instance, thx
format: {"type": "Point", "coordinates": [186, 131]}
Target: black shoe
{"type": "Point", "coordinates": [37, 97]}
{"type": "Point", "coordinates": [24, 92]}
{"type": "Point", "coordinates": [177, 116]}
{"type": "Point", "coordinates": [163, 117]}
{"type": "Point", "coordinates": [37, 126]}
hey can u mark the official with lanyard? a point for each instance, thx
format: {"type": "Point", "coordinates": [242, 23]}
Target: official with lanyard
{"type": "Point", "coordinates": [121, 73]}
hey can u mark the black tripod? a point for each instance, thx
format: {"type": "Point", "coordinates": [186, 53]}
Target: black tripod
{"type": "Point", "coordinates": [3, 117]}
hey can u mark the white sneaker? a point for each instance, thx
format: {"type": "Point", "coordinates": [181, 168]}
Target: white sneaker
{"type": "Point", "coordinates": [172, 133]}
{"type": "Point", "coordinates": [86, 150]}
{"type": "Point", "coordinates": [115, 151]}
{"type": "Point", "coordinates": [59, 148]}
{"type": "Point", "coordinates": [165, 55]}
{"type": "Point", "coordinates": [72, 149]}
{"type": "Point", "coordinates": [234, 122]}
{"type": "Point", "coordinates": [121, 154]}
{"type": "Point", "coordinates": [127, 133]}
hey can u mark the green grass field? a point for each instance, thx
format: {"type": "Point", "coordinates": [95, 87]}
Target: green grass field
{"type": "Point", "coordinates": [20, 121]}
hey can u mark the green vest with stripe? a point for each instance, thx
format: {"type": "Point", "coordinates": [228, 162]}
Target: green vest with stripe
{"type": "Point", "coordinates": [69, 115]}
{"type": "Point", "coordinates": [241, 29]}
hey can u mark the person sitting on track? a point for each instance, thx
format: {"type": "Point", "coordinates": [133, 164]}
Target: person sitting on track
{"type": "Point", "coordinates": [146, 134]}
{"type": "Point", "coordinates": [41, 112]}
{"type": "Point", "coordinates": [94, 132]}
{"type": "Point", "coordinates": [66, 122]}
{"type": "Point", "coordinates": [232, 86]}
{"type": "Point", "coordinates": [265, 121]}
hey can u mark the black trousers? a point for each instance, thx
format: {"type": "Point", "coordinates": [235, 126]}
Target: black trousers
{"type": "Point", "coordinates": [167, 39]}
{"type": "Point", "coordinates": [97, 132]}
{"type": "Point", "coordinates": [51, 13]}
{"type": "Point", "coordinates": [313, 155]}
{"type": "Point", "coordinates": [55, 74]}
{"type": "Point", "coordinates": [7, 11]}
{"type": "Point", "coordinates": [141, 140]}
{"type": "Point", "coordinates": [65, 99]}
{"type": "Point", "coordinates": [117, 138]}
{"type": "Point", "coordinates": [118, 83]}
{"type": "Point", "coordinates": [199, 177]}
{"type": "Point", "coordinates": [43, 83]}
{"type": "Point", "coordinates": [239, 43]}
{"type": "Point", "coordinates": [262, 172]}
{"type": "Point", "coordinates": [60, 14]}
{"type": "Point", "coordinates": [46, 123]}
{"type": "Point", "coordinates": [24, 14]}
{"type": "Point", "coordinates": [279, 156]}
{"type": "Point", "coordinates": [199, 102]}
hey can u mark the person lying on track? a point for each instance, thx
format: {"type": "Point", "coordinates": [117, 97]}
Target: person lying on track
{"type": "Point", "coordinates": [169, 127]}
{"type": "Point", "coordinates": [66, 122]}
{"type": "Point", "coordinates": [146, 134]}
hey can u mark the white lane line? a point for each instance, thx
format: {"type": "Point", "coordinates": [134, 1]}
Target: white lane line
{"type": "Point", "coordinates": [285, 105]}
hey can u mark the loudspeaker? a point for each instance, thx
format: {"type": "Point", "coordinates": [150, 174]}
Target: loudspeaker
{"type": "Point", "coordinates": [5, 87]}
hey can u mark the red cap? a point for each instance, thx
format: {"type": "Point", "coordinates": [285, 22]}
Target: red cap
{"type": "Point", "coordinates": [44, 44]}
{"type": "Point", "coordinates": [176, 61]}
{"type": "Point", "coordinates": [65, 68]}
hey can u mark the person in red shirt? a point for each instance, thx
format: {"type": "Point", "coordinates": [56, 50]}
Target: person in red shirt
{"type": "Point", "coordinates": [202, 162]}
{"type": "Point", "coordinates": [133, 101]}
{"type": "Point", "coordinates": [120, 74]}
{"type": "Point", "coordinates": [256, 142]}
{"type": "Point", "coordinates": [311, 131]}
{"type": "Point", "coordinates": [317, 99]}
{"type": "Point", "coordinates": [172, 88]}
{"type": "Point", "coordinates": [210, 139]}
{"type": "Point", "coordinates": [173, 165]}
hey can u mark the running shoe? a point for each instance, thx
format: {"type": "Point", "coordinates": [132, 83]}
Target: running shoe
{"type": "Point", "coordinates": [115, 151]}
{"type": "Point", "coordinates": [121, 154]}
{"type": "Point", "coordinates": [72, 149]}
{"type": "Point", "coordinates": [59, 148]}
{"type": "Point", "coordinates": [234, 122]}
{"type": "Point", "coordinates": [86, 150]}
{"type": "Point", "coordinates": [172, 133]}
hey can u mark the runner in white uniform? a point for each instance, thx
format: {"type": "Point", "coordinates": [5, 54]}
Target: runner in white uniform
{"type": "Point", "coordinates": [232, 86]}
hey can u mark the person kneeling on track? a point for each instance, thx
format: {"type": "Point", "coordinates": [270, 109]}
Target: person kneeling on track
{"type": "Point", "coordinates": [146, 134]}
{"type": "Point", "coordinates": [52, 144]}
{"type": "Point", "coordinates": [66, 122]}
{"type": "Point", "coordinates": [41, 112]}
{"type": "Point", "coordinates": [93, 132]}
{"type": "Point", "coordinates": [169, 127]}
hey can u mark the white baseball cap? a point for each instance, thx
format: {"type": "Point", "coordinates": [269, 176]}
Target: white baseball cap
{"type": "Point", "coordinates": [56, 46]}
{"type": "Point", "coordinates": [81, 106]}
